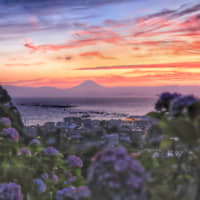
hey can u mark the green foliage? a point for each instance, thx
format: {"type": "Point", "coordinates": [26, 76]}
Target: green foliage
{"type": "Point", "coordinates": [176, 173]}
{"type": "Point", "coordinates": [24, 169]}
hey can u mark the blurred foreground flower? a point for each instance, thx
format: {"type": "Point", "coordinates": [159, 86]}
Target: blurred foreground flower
{"type": "Point", "coordinates": [74, 161]}
{"type": "Point", "coordinates": [11, 134]}
{"type": "Point", "coordinates": [78, 193]}
{"type": "Point", "coordinates": [40, 185]}
{"type": "Point", "coordinates": [25, 152]}
{"type": "Point", "coordinates": [34, 142]}
{"type": "Point", "coordinates": [54, 177]}
{"type": "Point", "coordinates": [10, 191]}
{"type": "Point", "coordinates": [50, 151]}
{"type": "Point", "coordinates": [181, 104]}
{"type": "Point", "coordinates": [114, 174]}
{"type": "Point", "coordinates": [64, 193]}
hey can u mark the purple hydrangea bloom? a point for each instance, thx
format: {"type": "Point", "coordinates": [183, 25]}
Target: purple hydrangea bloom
{"type": "Point", "coordinates": [25, 152]}
{"type": "Point", "coordinates": [54, 177]}
{"type": "Point", "coordinates": [64, 193]}
{"type": "Point", "coordinates": [34, 142]}
{"type": "Point", "coordinates": [82, 192]}
{"type": "Point", "coordinates": [66, 182]}
{"type": "Point", "coordinates": [114, 174]}
{"type": "Point", "coordinates": [50, 151]}
{"type": "Point", "coordinates": [10, 191]}
{"type": "Point", "coordinates": [72, 179]}
{"type": "Point", "coordinates": [78, 193]}
{"type": "Point", "coordinates": [74, 161]}
{"type": "Point", "coordinates": [164, 101]}
{"type": "Point", "coordinates": [5, 121]}
{"type": "Point", "coordinates": [11, 134]}
{"type": "Point", "coordinates": [180, 104]}
{"type": "Point", "coordinates": [40, 185]}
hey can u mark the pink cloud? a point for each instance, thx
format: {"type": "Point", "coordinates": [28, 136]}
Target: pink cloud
{"type": "Point", "coordinates": [96, 54]}
{"type": "Point", "coordinates": [93, 36]}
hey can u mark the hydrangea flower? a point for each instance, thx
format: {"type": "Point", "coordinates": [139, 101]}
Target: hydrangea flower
{"type": "Point", "coordinates": [11, 134]}
{"type": "Point", "coordinates": [74, 161]}
{"type": "Point", "coordinates": [78, 193]}
{"type": "Point", "coordinates": [54, 177]}
{"type": "Point", "coordinates": [40, 185]}
{"type": "Point", "coordinates": [72, 179]}
{"type": "Point", "coordinates": [164, 101]}
{"type": "Point", "coordinates": [64, 193]}
{"type": "Point", "coordinates": [10, 191]}
{"type": "Point", "coordinates": [34, 142]}
{"type": "Point", "coordinates": [25, 152]}
{"type": "Point", "coordinates": [180, 104]}
{"type": "Point", "coordinates": [82, 192]}
{"type": "Point", "coordinates": [66, 182]}
{"type": "Point", "coordinates": [114, 174]}
{"type": "Point", "coordinates": [5, 121]}
{"type": "Point", "coordinates": [50, 151]}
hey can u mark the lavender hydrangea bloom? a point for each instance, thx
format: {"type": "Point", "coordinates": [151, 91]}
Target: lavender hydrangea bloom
{"type": "Point", "coordinates": [10, 191]}
{"type": "Point", "coordinates": [82, 192]}
{"type": "Point", "coordinates": [5, 121]}
{"type": "Point", "coordinates": [54, 177]}
{"type": "Point", "coordinates": [11, 134]}
{"type": "Point", "coordinates": [72, 179]}
{"type": "Point", "coordinates": [25, 152]}
{"type": "Point", "coordinates": [180, 104]}
{"type": "Point", "coordinates": [164, 101]}
{"type": "Point", "coordinates": [114, 174]}
{"type": "Point", "coordinates": [78, 193]}
{"type": "Point", "coordinates": [74, 161]}
{"type": "Point", "coordinates": [64, 193]}
{"type": "Point", "coordinates": [34, 142]}
{"type": "Point", "coordinates": [40, 185]}
{"type": "Point", "coordinates": [50, 151]}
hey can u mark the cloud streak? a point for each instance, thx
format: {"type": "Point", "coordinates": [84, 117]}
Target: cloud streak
{"type": "Point", "coordinates": [195, 65]}
{"type": "Point", "coordinates": [23, 64]}
{"type": "Point", "coordinates": [96, 54]}
{"type": "Point", "coordinates": [93, 36]}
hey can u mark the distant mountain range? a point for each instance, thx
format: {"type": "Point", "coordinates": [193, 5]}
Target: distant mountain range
{"type": "Point", "coordinates": [92, 89]}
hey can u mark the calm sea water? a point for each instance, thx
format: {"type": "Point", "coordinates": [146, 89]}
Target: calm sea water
{"type": "Point", "coordinates": [94, 108]}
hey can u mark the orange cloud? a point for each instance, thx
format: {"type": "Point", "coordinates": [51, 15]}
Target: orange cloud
{"type": "Point", "coordinates": [23, 64]}
{"type": "Point", "coordinates": [96, 54]}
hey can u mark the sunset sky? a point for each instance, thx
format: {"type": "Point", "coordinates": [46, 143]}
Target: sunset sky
{"type": "Point", "coordinates": [61, 43]}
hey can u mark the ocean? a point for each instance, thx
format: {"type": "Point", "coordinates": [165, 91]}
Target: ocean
{"type": "Point", "coordinates": [41, 110]}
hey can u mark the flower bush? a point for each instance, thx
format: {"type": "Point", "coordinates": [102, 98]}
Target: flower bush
{"type": "Point", "coordinates": [115, 175]}
{"type": "Point", "coordinates": [74, 161]}
{"type": "Point", "coordinates": [10, 191]}
{"type": "Point", "coordinates": [38, 172]}
{"type": "Point", "coordinates": [175, 169]}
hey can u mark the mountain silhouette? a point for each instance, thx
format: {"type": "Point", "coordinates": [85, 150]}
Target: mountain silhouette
{"type": "Point", "coordinates": [90, 88]}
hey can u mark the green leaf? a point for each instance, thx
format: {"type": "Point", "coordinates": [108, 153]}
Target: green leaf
{"type": "Point", "coordinates": [181, 128]}
{"type": "Point", "coordinates": [165, 143]}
